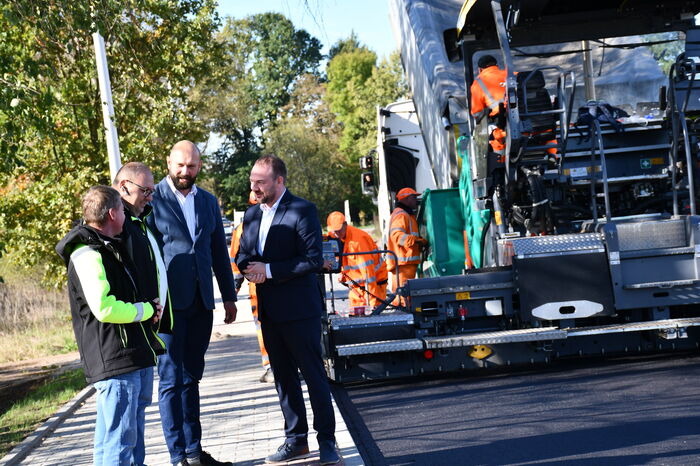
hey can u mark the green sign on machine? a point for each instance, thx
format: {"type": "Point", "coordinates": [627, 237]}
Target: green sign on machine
{"type": "Point", "coordinates": [645, 164]}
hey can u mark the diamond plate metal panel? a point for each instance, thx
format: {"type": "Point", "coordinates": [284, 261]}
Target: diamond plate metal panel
{"type": "Point", "coordinates": [370, 321]}
{"type": "Point", "coordinates": [535, 245]}
{"type": "Point", "coordinates": [635, 327]}
{"type": "Point", "coordinates": [493, 338]}
{"type": "Point", "coordinates": [652, 235]}
{"type": "Point", "coordinates": [379, 347]}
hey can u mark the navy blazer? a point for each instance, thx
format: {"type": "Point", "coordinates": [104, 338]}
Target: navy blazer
{"type": "Point", "coordinates": [294, 251]}
{"type": "Point", "coordinates": [187, 261]}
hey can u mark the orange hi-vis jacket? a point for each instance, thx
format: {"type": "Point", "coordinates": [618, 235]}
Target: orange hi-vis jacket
{"type": "Point", "coordinates": [235, 243]}
{"type": "Point", "coordinates": [488, 90]}
{"type": "Point", "coordinates": [368, 270]}
{"type": "Point", "coordinates": [403, 239]}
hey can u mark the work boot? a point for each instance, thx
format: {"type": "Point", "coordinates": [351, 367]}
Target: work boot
{"type": "Point", "coordinates": [288, 452]}
{"type": "Point", "coordinates": [268, 376]}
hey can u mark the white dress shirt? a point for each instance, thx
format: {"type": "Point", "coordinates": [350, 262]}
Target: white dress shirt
{"type": "Point", "coordinates": [268, 213]}
{"type": "Point", "coordinates": [186, 204]}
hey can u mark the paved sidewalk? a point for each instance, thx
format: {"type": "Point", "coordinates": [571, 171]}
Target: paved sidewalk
{"type": "Point", "coordinates": [241, 418]}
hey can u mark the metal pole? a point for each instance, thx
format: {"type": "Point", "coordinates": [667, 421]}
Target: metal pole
{"type": "Point", "coordinates": [588, 70]}
{"type": "Point", "coordinates": [111, 136]}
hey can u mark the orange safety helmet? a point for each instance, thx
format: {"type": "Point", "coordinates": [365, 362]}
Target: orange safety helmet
{"type": "Point", "coordinates": [404, 193]}
{"type": "Point", "coordinates": [335, 221]}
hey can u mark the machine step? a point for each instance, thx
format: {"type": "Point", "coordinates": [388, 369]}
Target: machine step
{"type": "Point", "coordinates": [375, 347]}
{"type": "Point", "coordinates": [497, 337]}
{"type": "Point", "coordinates": [510, 336]}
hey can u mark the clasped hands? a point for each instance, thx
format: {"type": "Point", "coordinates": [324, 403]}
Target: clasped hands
{"type": "Point", "coordinates": [255, 272]}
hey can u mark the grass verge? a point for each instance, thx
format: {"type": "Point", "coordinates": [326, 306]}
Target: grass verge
{"type": "Point", "coordinates": [37, 340]}
{"type": "Point", "coordinates": [39, 404]}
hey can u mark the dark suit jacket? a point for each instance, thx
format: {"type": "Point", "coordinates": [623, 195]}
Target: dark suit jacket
{"type": "Point", "coordinates": [293, 250]}
{"type": "Point", "coordinates": [188, 262]}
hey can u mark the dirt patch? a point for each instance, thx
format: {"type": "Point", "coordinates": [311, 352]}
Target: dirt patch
{"type": "Point", "coordinates": [17, 378]}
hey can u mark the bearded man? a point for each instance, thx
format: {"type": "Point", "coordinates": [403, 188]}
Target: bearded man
{"type": "Point", "coordinates": [187, 220]}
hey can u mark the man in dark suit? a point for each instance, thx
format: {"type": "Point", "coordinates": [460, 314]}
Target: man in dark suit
{"type": "Point", "coordinates": [280, 251]}
{"type": "Point", "coordinates": [187, 220]}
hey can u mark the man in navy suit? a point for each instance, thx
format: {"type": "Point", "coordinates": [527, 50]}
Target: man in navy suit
{"type": "Point", "coordinates": [280, 251]}
{"type": "Point", "coordinates": [188, 221]}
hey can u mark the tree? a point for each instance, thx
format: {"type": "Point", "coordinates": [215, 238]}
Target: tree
{"type": "Point", "coordinates": [350, 44]}
{"type": "Point", "coordinates": [356, 86]}
{"type": "Point", "coordinates": [50, 112]}
{"type": "Point", "coordinates": [306, 137]}
{"type": "Point", "coordinates": [265, 55]}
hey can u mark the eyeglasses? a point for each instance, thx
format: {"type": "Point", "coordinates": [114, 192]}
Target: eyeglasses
{"type": "Point", "coordinates": [146, 191]}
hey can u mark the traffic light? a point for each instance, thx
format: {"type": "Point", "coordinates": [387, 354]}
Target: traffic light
{"type": "Point", "coordinates": [367, 162]}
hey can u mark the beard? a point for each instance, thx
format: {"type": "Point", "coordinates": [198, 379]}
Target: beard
{"type": "Point", "coordinates": [184, 182]}
{"type": "Point", "coordinates": [266, 197]}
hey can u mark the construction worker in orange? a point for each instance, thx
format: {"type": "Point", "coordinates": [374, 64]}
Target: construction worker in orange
{"type": "Point", "coordinates": [488, 92]}
{"type": "Point", "coordinates": [238, 278]}
{"type": "Point", "coordinates": [365, 274]}
{"type": "Point", "coordinates": [404, 240]}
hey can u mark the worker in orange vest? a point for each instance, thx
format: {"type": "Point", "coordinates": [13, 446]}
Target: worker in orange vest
{"type": "Point", "coordinates": [238, 278]}
{"type": "Point", "coordinates": [488, 92]}
{"type": "Point", "coordinates": [366, 273]}
{"type": "Point", "coordinates": [404, 239]}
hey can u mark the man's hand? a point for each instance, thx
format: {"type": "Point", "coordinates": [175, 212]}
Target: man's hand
{"type": "Point", "coordinates": [256, 278]}
{"type": "Point", "coordinates": [231, 311]}
{"type": "Point", "coordinates": [255, 272]}
{"type": "Point", "coordinates": [157, 311]}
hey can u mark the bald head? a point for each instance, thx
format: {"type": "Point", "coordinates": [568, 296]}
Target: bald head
{"type": "Point", "coordinates": [185, 146]}
{"type": "Point", "coordinates": [184, 163]}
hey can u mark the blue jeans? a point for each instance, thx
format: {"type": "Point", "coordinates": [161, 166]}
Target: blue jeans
{"type": "Point", "coordinates": [121, 418]}
{"type": "Point", "coordinates": [180, 370]}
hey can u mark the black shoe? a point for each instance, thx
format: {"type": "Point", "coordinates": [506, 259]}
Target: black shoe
{"type": "Point", "coordinates": [205, 459]}
{"type": "Point", "coordinates": [182, 463]}
{"type": "Point", "coordinates": [287, 452]}
{"type": "Point", "coordinates": [329, 455]}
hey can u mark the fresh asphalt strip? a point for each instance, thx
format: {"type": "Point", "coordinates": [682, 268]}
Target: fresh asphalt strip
{"type": "Point", "coordinates": [629, 411]}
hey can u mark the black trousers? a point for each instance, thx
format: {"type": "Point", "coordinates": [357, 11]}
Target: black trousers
{"type": "Point", "coordinates": [293, 346]}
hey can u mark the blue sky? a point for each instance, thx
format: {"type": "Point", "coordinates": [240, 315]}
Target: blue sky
{"type": "Point", "coordinates": [327, 20]}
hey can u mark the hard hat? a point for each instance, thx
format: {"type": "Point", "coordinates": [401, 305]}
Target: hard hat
{"type": "Point", "coordinates": [335, 221]}
{"type": "Point", "coordinates": [252, 200]}
{"type": "Point", "coordinates": [404, 193]}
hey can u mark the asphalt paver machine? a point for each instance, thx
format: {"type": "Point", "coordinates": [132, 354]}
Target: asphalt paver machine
{"type": "Point", "coordinates": [580, 238]}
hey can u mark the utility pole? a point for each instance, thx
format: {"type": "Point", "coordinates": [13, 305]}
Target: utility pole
{"type": "Point", "coordinates": [111, 135]}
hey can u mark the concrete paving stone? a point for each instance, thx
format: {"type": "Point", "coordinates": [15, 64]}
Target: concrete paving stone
{"type": "Point", "coordinates": [241, 418]}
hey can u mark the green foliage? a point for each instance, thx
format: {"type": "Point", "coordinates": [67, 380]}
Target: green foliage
{"type": "Point", "coordinates": [51, 132]}
{"type": "Point", "coordinates": [350, 44]}
{"type": "Point", "coordinates": [265, 56]}
{"type": "Point", "coordinates": [665, 53]}
{"type": "Point", "coordinates": [307, 138]}
{"type": "Point", "coordinates": [356, 86]}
